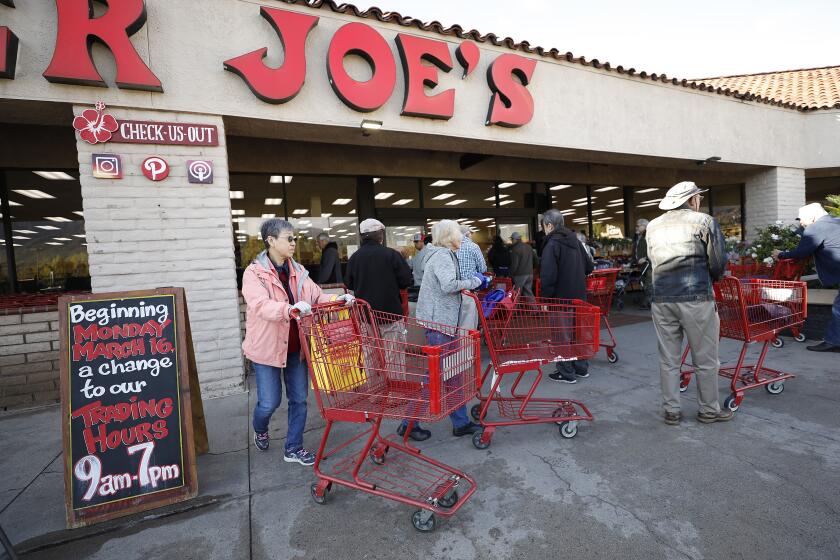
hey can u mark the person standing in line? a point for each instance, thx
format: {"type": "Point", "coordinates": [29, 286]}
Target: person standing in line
{"type": "Point", "coordinates": [522, 265]}
{"type": "Point", "coordinates": [499, 257]}
{"type": "Point", "coordinates": [564, 266]}
{"type": "Point", "coordinates": [470, 259]}
{"type": "Point", "coordinates": [376, 274]}
{"type": "Point", "coordinates": [821, 238]}
{"type": "Point", "coordinates": [274, 286]}
{"type": "Point", "coordinates": [330, 270]}
{"type": "Point", "coordinates": [421, 244]}
{"type": "Point", "coordinates": [640, 258]}
{"type": "Point", "coordinates": [687, 252]}
{"type": "Point", "coordinates": [440, 299]}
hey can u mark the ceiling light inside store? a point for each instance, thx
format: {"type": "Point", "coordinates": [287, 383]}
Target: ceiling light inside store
{"type": "Point", "coordinates": [353, 211]}
{"type": "Point", "coordinates": [62, 239]}
{"type": "Point", "coordinates": [567, 212]}
{"type": "Point", "coordinates": [237, 194]}
{"type": "Point", "coordinates": [620, 212]}
{"type": "Point", "coordinates": [376, 180]}
{"type": "Point", "coordinates": [54, 175]}
{"type": "Point", "coordinates": [403, 201]}
{"type": "Point", "coordinates": [24, 231]}
{"type": "Point", "coordinates": [338, 222]}
{"type": "Point", "coordinates": [79, 213]}
{"type": "Point", "coordinates": [279, 179]}
{"type": "Point", "coordinates": [456, 202]}
{"type": "Point", "coordinates": [504, 202]}
{"type": "Point", "coordinates": [326, 214]}
{"type": "Point", "coordinates": [303, 231]}
{"type": "Point", "coordinates": [13, 203]}
{"type": "Point", "coordinates": [580, 204]}
{"type": "Point", "coordinates": [237, 212]}
{"type": "Point", "coordinates": [614, 204]}
{"type": "Point", "coordinates": [300, 211]}
{"type": "Point", "coordinates": [80, 235]}
{"type": "Point", "coordinates": [48, 228]}
{"type": "Point", "coordinates": [647, 190]}
{"type": "Point", "coordinates": [20, 237]}
{"type": "Point", "coordinates": [57, 219]}
{"type": "Point", "coordinates": [505, 185]}
{"type": "Point", "coordinates": [441, 183]}
{"type": "Point", "coordinates": [384, 196]}
{"type": "Point", "coordinates": [486, 219]}
{"type": "Point", "coordinates": [53, 243]}
{"type": "Point", "coordinates": [652, 201]}
{"type": "Point", "coordinates": [273, 201]}
{"type": "Point", "coordinates": [342, 201]}
{"type": "Point", "coordinates": [559, 187]}
{"type": "Point", "coordinates": [33, 193]}
{"type": "Point", "coordinates": [605, 189]}
{"type": "Point", "coordinates": [599, 211]}
{"type": "Point", "coordinates": [238, 220]}
{"type": "Point", "coordinates": [446, 195]}
{"type": "Point", "coordinates": [241, 231]}
{"type": "Point", "coordinates": [268, 216]}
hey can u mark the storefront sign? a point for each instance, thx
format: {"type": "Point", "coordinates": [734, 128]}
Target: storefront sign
{"type": "Point", "coordinates": [155, 168]}
{"type": "Point", "coordinates": [95, 125]}
{"type": "Point", "coordinates": [200, 171]}
{"type": "Point", "coordinates": [125, 390]}
{"type": "Point", "coordinates": [166, 133]}
{"type": "Point", "coordinates": [106, 166]}
{"type": "Point", "coordinates": [421, 58]}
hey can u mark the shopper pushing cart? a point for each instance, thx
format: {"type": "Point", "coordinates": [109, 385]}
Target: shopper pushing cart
{"type": "Point", "coordinates": [361, 377]}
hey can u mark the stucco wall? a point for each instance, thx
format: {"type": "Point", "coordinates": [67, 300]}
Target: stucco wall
{"type": "Point", "coordinates": [576, 107]}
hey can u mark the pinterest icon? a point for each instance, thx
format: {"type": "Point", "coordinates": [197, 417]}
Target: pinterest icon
{"type": "Point", "coordinates": [155, 168]}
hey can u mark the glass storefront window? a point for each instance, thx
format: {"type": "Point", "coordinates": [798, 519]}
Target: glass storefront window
{"type": "Point", "coordinates": [396, 192]}
{"type": "Point", "coordinates": [401, 238]}
{"type": "Point", "coordinates": [571, 200]}
{"type": "Point", "coordinates": [455, 194]}
{"type": "Point", "coordinates": [524, 229]}
{"type": "Point", "coordinates": [515, 195]}
{"type": "Point", "coordinates": [608, 217]}
{"type": "Point", "coordinates": [726, 204]}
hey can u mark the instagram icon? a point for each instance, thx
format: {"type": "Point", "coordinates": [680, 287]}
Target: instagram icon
{"type": "Point", "coordinates": [106, 166]}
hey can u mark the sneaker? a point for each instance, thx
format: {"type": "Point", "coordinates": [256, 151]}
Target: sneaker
{"type": "Point", "coordinates": [261, 440]}
{"type": "Point", "coordinates": [465, 430]}
{"type": "Point", "coordinates": [582, 371]}
{"type": "Point", "coordinates": [563, 377]}
{"type": "Point", "coordinates": [417, 433]}
{"type": "Point", "coordinates": [711, 417]}
{"type": "Point", "coordinates": [301, 456]}
{"type": "Point", "coordinates": [672, 418]}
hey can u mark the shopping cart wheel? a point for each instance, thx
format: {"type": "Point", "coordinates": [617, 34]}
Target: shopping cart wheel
{"type": "Point", "coordinates": [799, 337]}
{"type": "Point", "coordinates": [478, 443]}
{"type": "Point", "coordinates": [730, 402]}
{"type": "Point", "coordinates": [449, 501]}
{"type": "Point", "coordinates": [475, 412]}
{"type": "Point", "coordinates": [378, 459]}
{"type": "Point", "coordinates": [612, 356]}
{"type": "Point", "coordinates": [423, 520]}
{"type": "Point", "coordinates": [568, 429]}
{"type": "Point", "coordinates": [684, 383]}
{"type": "Point", "coordinates": [775, 388]}
{"type": "Point", "coordinates": [777, 343]}
{"type": "Point", "coordinates": [314, 491]}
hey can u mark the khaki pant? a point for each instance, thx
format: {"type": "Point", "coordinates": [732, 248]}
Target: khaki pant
{"type": "Point", "coordinates": [700, 323]}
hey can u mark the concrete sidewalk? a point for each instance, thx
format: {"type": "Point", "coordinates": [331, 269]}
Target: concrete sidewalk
{"type": "Point", "coordinates": [764, 486]}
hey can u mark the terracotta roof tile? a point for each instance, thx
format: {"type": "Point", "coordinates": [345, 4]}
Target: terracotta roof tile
{"type": "Point", "coordinates": [824, 93]}
{"type": "Point", "coordinates": [807, 89]}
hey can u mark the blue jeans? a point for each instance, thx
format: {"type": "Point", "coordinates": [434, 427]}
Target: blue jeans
{"type": "Point", "coordinates": [832, 334]}
{"type": "Point", "coordinates": [270, 392]}
{"type": "Point", "coordinates": [459, 415]}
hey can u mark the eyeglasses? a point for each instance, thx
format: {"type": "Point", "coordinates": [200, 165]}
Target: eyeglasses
{"type": "Point", "coordinates": [290, 239]}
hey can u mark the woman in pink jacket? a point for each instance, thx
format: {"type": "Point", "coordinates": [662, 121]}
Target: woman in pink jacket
{"type": "Point", "coordinates": [273, 285]}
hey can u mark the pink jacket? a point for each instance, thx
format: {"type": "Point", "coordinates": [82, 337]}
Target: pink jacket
{"type": "Point", "coordinates": [267, 315]}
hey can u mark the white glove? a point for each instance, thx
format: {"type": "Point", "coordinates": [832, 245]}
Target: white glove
{"type": "Point", "coordinates": [302, 307]}
{"type": "Point", "coordinates": [346, 298]}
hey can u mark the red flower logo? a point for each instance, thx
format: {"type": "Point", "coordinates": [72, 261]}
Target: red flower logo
{"type": "Point", "coordinates": [94, 126]}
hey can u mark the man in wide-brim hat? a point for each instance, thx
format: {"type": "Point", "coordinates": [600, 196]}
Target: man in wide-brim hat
{"type": "Point", "coordinates": [687, 254]}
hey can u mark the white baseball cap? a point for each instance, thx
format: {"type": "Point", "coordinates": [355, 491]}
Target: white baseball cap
{"type": "Point", "coordinates": [370, 225]}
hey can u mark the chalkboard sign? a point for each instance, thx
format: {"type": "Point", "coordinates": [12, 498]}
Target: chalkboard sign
{"type": "Point", "coordinates": [126, 367]}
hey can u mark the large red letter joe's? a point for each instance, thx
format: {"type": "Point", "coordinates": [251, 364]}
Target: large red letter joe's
{"type": "Point", "coordinates": [78, 29]}
{"type": "Point", "coordinates": [413, 51]}
{"type": "Point", "coordinates": [366, 42]}
{"type": "Point", "coordinates": [277, 85]}
{"type": "Point", "coordinates": [511, 104]}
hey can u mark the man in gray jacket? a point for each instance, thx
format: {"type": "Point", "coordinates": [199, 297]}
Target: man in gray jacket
{"type": "Point", "coordinates": [686, 250]}
{"type": "Point", "coordinates": [522, 264]}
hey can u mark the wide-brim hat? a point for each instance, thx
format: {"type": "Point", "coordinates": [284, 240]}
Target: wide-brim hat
{"type": "Point", "coordinates": [678, 194]}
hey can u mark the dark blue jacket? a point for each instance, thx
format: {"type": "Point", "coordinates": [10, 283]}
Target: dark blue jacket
{"type": "Point", "coordinates": [564, 266]}
{"type": "Point", "coordinates": [821, 239]}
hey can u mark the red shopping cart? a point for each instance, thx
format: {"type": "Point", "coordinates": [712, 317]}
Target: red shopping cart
{"type": "Point", "coordinates": [363, 370]}
{"type": "Point", "coordinates": [600, 286]}
{"type": "Point", "coordinates": [754, 310]}
{"type": "Point", "coordinates": [522, 335]}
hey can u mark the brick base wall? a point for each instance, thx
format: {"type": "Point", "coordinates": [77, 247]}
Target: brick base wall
{"type": "Point", "coordinates": [775, 194]}
{"type": "Point", "coordinates": [29, 369]}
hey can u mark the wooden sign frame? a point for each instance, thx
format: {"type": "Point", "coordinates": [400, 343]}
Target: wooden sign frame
{"type": "Point", "coordinates": [193, 429]}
